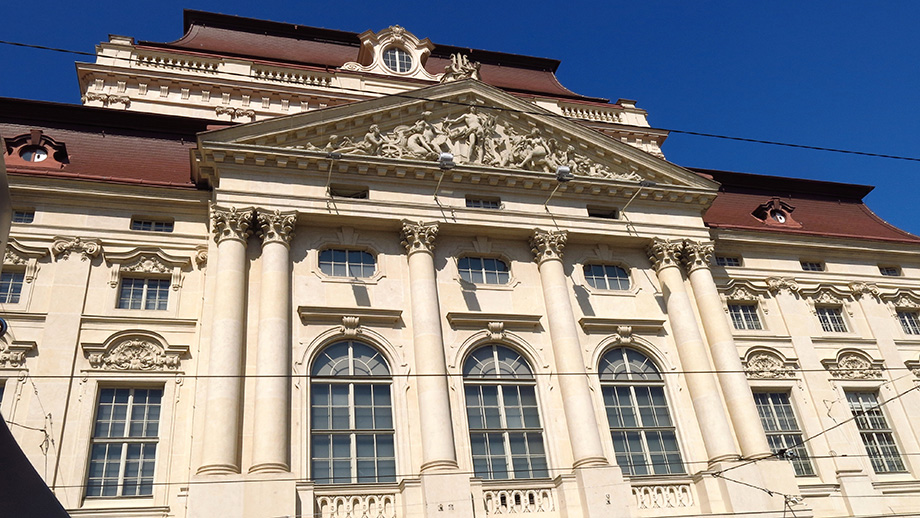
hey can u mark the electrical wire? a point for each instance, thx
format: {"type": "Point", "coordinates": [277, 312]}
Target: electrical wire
{"type": "Point", "coordinates": [495, 108]}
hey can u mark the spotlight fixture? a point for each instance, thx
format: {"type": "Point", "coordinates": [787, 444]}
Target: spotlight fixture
{"type": "Point", "coordinates": [564, 174]}
{"type": "Point", "coordinates": [446, 161]}
{"type": "Point", "coordinates": [334, 156]}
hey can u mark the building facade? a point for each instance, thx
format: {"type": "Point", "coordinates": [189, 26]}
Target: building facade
{"type": "Point", "coordinates": [269, 270]}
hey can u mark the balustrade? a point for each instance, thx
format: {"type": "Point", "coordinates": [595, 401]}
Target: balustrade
{"type": "Point", "coordinates": [539, 502]}
{"type": "Point", "coordinates": [356, 506]}
{"type": "Point", "coordinates": [663, 496]}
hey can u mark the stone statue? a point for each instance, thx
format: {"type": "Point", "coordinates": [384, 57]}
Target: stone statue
{"type": "Point", "coordinates": [460, 68]}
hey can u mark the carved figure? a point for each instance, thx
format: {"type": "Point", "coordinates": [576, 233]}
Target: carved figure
{"type": "Point", "coordinates": [473, 129]}
{"type": "Point", "coordinates": [460, 67]}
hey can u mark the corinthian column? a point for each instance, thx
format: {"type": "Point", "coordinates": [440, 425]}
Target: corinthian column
{"type": "Point", "coordinates": [225, 355]}
{"type": "Point", "coordinates": [704, 392]}
{"type": "Point", "coordinates": [438, 451]}
{"type": "Point", "coordinates": [735, 388]}
{"type": "Point", "coordinates": [271, 437]}
{"type": "Point", "coordinates": [578, 405]}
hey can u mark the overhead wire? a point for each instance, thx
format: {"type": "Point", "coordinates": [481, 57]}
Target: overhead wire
{"type": "Point", "coordinates": [371, 95]}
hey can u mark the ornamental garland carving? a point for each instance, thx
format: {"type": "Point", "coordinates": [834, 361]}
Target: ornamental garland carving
{"type": "Point", "coordinates": [474, 138]}
{"type": "Point", "coordinates": [696, 254]}
{"type": "Point", "coordinates": [276, 226]}
{"type": "Point", "coordinates": [547, 244]}
{"type": "Point", "coordinates": [135, 354]}
{"type": "Point", "coordinates": [232, 223]}
{"type": "Point", "coordinates": [853, 365]}
{"type": "Point", "coordinates": [87, 248]}
{"type": "Point", "coordinates": [663, 253]}
{"type": "Point", "coordinates": [864, 288]}
{"type": "Point", "coordinates": [419, 237]}
{"type": "Point", "coordinates": [779, 284]}
{"type": "Point", "coordinates": [768, 365]}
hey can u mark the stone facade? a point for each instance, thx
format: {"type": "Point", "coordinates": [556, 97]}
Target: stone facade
{"type": "Point", "coordinates": [337, 239]}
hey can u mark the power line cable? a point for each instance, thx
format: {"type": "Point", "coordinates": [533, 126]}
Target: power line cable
{"type": "Point", "coordinates": [496, 108]}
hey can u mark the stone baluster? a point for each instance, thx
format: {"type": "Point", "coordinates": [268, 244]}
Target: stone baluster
{"type": "Point", "coordinates": [438, 450]}
{"type": "Point", "coordinates": [578, 406]}
{"type": "Point", "coordinates": [735, 387]}
{"type": "Point", "coordinates": [271, 436]}
{"type": "Point", "coordinates": [225, 357]}
{"type": "Point", "coordinates": [704, 391]}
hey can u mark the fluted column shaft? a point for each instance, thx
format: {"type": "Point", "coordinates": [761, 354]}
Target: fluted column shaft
{"type": "Point", "coordinates": [577, 402]}
{"type": "Point", "coordinates": [704, 392]}
{"type": "Point", "coordinates": [225, 356]}
{"type": "Point", "coordinates": [438, 449]}
{"type": "Point", "coordinates": [271, 436]}
{"type": "Point", "coordinates": [735, 387]}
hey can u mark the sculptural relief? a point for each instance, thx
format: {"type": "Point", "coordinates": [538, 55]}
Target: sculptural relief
{"type": "Point", "coordinates": [473, 137]}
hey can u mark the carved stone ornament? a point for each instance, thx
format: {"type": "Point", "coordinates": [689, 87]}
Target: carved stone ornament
{"type": "Point", "coordinates": [17, 254]}
{"type": "Point", "coordinates": [87, 248]}
{"type": "Point", "coordinates": [663, 253]}
{"type": "Point", "coordinates": [419, 237]}
{"type": "Point", "coordinates": [232, 223]}
{"type": "Point", "coordinates": [276, 226]}
{"type": "Point", "coordinates": [13, 355]}
{"type": "Point", "coordinates": [696, 254]}
{"type": "Point", "coordinates": [864, 288]}
{"type": "Point", "coordinates": [914, 366]}
{"type": "Point", "coordinates": [106, 99]}
{"type": "Point", "coordinates": [827, 297]}
{"type": "Point", "coordinates": [201, 256]}
{"type": "Point", "coordinates": [134, 353]}
{"type": "Point", "coordinates": [904, 300]}
{"type": "Point", "coordinates": [763, 364]}
{"type": "Point", "coordinates": [740, 294]}
{"type": "Point", "coordinates": [152, 262]}
{"type": "Point", "coordinates": [854, 365]}
{"type": "Point", "coordinates": [350, 326]}
{"type": "Point", "coordinates": [778, 284]}
{"type": "Point", "coordinates": [473, 137]}
{"type": "Point", "coordinates": [375, 45]}
{"type": "Point", "coordinates": [235, 113]}
{"type": "Point", "coordinates": [547, 244]}
{"type": "Point", "coordinates": [460, 68]}
{"type": "Point", "coordinates": [496, 330]}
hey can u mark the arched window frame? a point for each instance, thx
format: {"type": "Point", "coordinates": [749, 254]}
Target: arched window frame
{"type": "Point", "coordinates": [645, 443]}
{"type": "Point", "coordinates": [512, 445]}
{"type": "Point", "coordinates": [359, 391]}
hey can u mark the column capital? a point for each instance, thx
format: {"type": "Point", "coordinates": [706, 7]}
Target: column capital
{"type": "Point", "coordinates": [664, 253]}
{"type": "Point", "coordinates": [696, 254]}
{"type": "Point", "coordinates": [232, 223]}
{"type": "Point", "coordinates": [276, 226]}
{"type": "Point", "coordinates": [418, 236]}
{"type": "Point", "coordinates": [547, 244]}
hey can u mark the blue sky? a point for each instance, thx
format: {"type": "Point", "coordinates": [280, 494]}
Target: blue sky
{"type": "Point", "coordinates": [832, 74]}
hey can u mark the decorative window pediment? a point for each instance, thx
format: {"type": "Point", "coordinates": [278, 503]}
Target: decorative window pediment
{"type": "Point", "coordinates": [17, 254]}
{"type": "Point", "coordinates": [903, 299]}
{"type": "Point", "coordinates": [742, 291]}
{"type": "Point", "coordinates": [394, 51]}
{"type": "Point", "coordinates": [152, 262]}
{"type": "Point", "coordinates": [852, 364]}
{"type": "Point", "coordinates": [135, 351]}
{"type": "Point", "coordinates": [914, 366]}
{"type": "Point", "coordinates": [766, 363]}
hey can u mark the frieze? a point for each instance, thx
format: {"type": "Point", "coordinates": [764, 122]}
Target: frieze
{"type": "Point", "coordinates": [474, 138]}
{"type": "Point", "coordinates": [547, 244]}
{"type": "Point", "coordinates": [854, 365]}
{"type": "Point", "coordinates": [87, 248]}
{"type": "Point", "coordinates": [418, 237]}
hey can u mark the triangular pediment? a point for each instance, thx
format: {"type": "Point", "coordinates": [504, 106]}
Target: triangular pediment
{"type": "Point", "coordinates": [481, 126]}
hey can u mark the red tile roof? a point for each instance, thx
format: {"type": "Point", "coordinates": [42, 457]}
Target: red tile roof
{"type": "Point", "coordinates": [820, 208]}
{"type": "Point", "coordinates": [219, 34]}
{"type": "Point", "coordinates": [104, 144]}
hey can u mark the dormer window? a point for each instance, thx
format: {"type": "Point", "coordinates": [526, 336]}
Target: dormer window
{"type": "Point", "coordinates": [33, 153]}
{"type": "Point", "coordinates": [34, 147]}
{"type": "Point", "coordinates": [397, 60]}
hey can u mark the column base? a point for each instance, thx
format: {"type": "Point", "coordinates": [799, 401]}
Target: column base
{"type": "Point", "coordinates": [218, 469]}
{"type": "Point", "coordinates": [439, 465]}
{"type": "Point", "coordinates": [269, 467]}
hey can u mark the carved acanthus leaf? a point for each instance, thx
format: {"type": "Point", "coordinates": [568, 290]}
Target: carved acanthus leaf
{"type": "Point", "coordinates": [662, 253]}
{"type": "Point", "coordinates": [547, 244]}
{"type": "Point", "coordinates": [232, 223]}
{"type": "Point", "coordinates": [418, 236]}
{"type": "Point", "coordinates": [276, 226]}
{"type": "Point", "coordinates": [696, 254]}
{"type": "Point", "coordinates": [135, 354]}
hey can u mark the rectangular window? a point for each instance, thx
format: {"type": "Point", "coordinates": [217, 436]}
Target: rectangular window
{"type": "Point", "coordinates": [23, 216]}
{"type": "Point", "coordinates": [782, 429]}
{"type": "Point", "coordinates": [354, 192]}
{"type": "Point", "coordinates": [149, 225]}
{"type": "Point", "coordinates": [11, 287]}
{"type": "Point", "coordinates": [143, 293]}
{"type": "Point", "coordinates": [890, 271]}
{"type": "Point", "coordinates": [744, 316]}
{"type": "Point", "coordinates": [124, 447]}
{"type": "Point", "coordinates": [726, 260]}
{"type": "Point", "coordinates": [483, 203]}
{"type": "Point", "coordinates": [831, 320]}
{"type": "Point", "coordinates": [812, 266]}
{"type": "Point", "coordinates": [603, 212]}
{"type": "Point", "coordinates": [877, 437]}
{"type": "Point", "coordinates": [909, 322]}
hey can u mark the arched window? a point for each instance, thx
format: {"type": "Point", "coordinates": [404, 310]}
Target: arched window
{"type": "Point", "coordinates": [501, 406]}
{"type": "Point", "coordinates": [351, 416]}
{"type": "Point", "coordinates": [606, 277]}
{"type": "Point", "coordinates": [643, 434]}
